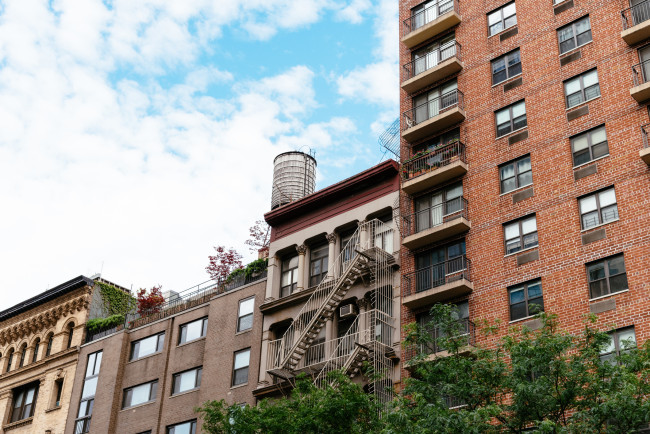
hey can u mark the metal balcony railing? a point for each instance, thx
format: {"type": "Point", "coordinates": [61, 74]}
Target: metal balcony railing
{"type": "Point", "coordinates": [466, 336]}
{"type": "Point", "coordinates": [430, 60]}
{"type": "Point", "coordinates": [429, 14]}
{"type": "Point", "coordinates": [435, 215]}
{"type": "Point", "coordinates": [426, 161]}
{"type": "Point", "coordinates": [436, 275]}
{"type": "Point", "coordinates": [645, 129]}
{"type": "Point", "coordinates": [641, 73]}
{"type": "Point", "coordinates": [636, 14]}
{"type": "Point", "coordinates": [433, 108]}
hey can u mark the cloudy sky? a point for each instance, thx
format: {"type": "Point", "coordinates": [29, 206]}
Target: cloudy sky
{"type": "Point", "coordinates": [136, 135]}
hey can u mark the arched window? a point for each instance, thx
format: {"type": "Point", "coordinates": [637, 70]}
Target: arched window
{"type": "Point", "coordinates": [70, 333]}
{"type": "Point", "coordinates": [10, 359]}
{"type": "Point", "coordinates": [50, 340]}
{"type": "Point", "coordinates": [23, 353]}
{"type": "Point", "coordinates": [36, 345]}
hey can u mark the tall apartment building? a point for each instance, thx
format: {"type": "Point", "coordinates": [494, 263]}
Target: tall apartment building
{"type": "Point", "coordinates": [332, 297]}
{"type": "Point", "coordinates": [525, 180]}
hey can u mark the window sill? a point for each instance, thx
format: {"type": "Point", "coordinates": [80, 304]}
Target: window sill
{"type": "Point", "coordinates": [502, 30]}
{"type": "Point", "coordinates": [609, 295]}
{"type": "Point", "coordinates": [49, 410]}
{"type": "Point", "coordinates": [239, 385]}
{"type": "Point", "coordinates": [590, 161]}
{"type": "Point", "coordinates": [196, 389]}
{"type": "Point", "coordinates": [511, 132]}
{"type": "Point", "coordinates": [18, 424]}
{"type": "Point", "coordinates": [145, 357]}
{"type": "Point", "coordinates": [598, 226]}
{"type": "Point", "coordinates": [576, 48]}
{"type": "Point", "coordinates": [516, 189]}
{"type": "Point", "coordinates": [507, 80]}
{"type": "Point", "coordinates": [244, 331]}
{"type": "Point", "coordinates": [133, 407]}
{"type": "Point", "coordinates": [202, 338]}
{"type": "Point", "coordinates": [514, 321]}
{"type": "Point", "coordinates": [582, 103]}
{"type": "Point", "coordinates": [521, 251]}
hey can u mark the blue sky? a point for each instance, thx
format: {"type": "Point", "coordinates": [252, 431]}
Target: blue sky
{"type": "Point", "coordinates": [134, 136]}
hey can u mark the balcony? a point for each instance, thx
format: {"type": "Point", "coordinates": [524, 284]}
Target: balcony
{"type": "Point", "coordinates": [444, 281]}
{"type": "Point", "coordinates": [645, 152]}
{"type": "Point", "coordinates": [430, 168]}
{"type": "Point", "coordinates": [434, 116]}
{"type": "Point", "coordinates": [436, 223]}
{"type": "Point", "coordinates": [636, 23]}
{"type": "Point", "coordinates": [465, 334]}
{"type": "Point", "coordinates": [641, 74]}
{"type": "Point", "coordinates": [432, 67]}
{"type": "Point", "coordinates": [428, 23]}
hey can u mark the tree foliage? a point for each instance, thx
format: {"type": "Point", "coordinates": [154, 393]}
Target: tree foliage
{"type": "Point", "coordinates": [151, 301]}
{"type": "Point", "coordinates": [223, 263]}
{"type": "Point", "coordinates": [98, 324]}
{"type": "Point", "coordinates": [260, 236]}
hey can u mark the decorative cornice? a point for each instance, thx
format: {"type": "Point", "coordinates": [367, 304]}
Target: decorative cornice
{"type": "Point", "coordinates": [331, 238]}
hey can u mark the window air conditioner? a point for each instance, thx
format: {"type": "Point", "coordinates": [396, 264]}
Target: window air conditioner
{"type": "Point", "coordinates": [347, 310]}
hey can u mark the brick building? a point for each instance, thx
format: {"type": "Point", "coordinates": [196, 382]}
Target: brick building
{"type": "Point", "coordinates": [525, 180]}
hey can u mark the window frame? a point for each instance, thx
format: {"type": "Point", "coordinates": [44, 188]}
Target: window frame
{"type": "Point", "coordinates": [590, 145]}
{"type": "Point", "coordinates": [197, 380]}
{"type": "Point", "coordinates": [37, 344]}
{"type": "Point", "coordinates": [525, 286]}
{"type": "Point", "coordinates": [182, 338]}
{"type": "Point", "coordinates": [574, 36]}
{"type": "Point", "coordinates": [580, 78]}
{"type": "Point", "coordinates": [517, 174]}
{"type": "Point", "coordinates": [316, 279]}
{"type": "Point", "coordinates": [509, 108]}
{"type": "Point", "coordinates": [521, 235]}
{"type": "Point", "coordinates": [505, 58]}
{"type": "Point", "coordinates": [233, 382]}
{"type": "Point", "coordinates": [50, 341]}
{"type": "Point", "coordinates": [615, 336]}
{"type": "Point", "coordinates": [599, 208]}
{"type": "Point", "coordinates": [293, 272]}
{"type": "Point", "coordinates": [170, 429]}
{"type": "Point", "coordinates": [23, 355]}
{"type": "Point", "coordinates": [126, 396]}
{"type": "Point", "coordinates": [86, 403]}
{"type": "Point", "coordinates": [18, 412]}
{"type": "Point", "coordinates": [607, 277]}
{"type": "Point", "coordinates": [137, 344]}
{"type": "Point", "coordinates": [70, 328]}
{"type": "Point", "coordinates": [502, 21]}
{"type": "Point", "coordinates": [10, 359]}
{"type": "Point", "coordinates": [240, 317]}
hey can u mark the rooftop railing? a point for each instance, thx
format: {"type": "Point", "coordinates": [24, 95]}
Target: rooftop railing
{"type": "Point", "coordinates": [433, 108]}
{"type": "Point", "coordinates": [437, 275]}
{"type": "Point", "coordinates": [429, 14]}
{"type": "Point", "coordinates": [435, 215]}
{"type": "Point", "coordinates": [636, 14]}
{"type": "Point", "coordinates": [430, 60]}
{"type": "Point", "coordinates": [426, 161]}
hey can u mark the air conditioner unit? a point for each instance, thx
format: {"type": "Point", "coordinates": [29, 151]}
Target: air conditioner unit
{"type": "Point", "coordinates": [347, 310]}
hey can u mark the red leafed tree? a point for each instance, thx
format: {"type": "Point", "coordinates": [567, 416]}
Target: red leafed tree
{"type": "Point", "coordinates": [150, 302]}
{"type": "Point", "coordinates": [223, 263]}
{"type": "Point", "coordinates": [260, 236]}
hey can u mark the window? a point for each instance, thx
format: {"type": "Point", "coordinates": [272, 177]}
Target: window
{"type": "Point", "coordinates": [384, 234]}
{"type": "Point", "coordinates": [581, 88]}
{"type": "Point", "coordinates": [23, 353]}
{"type": "Point", "coordinates": [147, 346]}
{"type": "Point", "coordinates": [574, 35]}
{"type": "Point", "coordinates": [82, 422]}
{"type": "Point", "coordinates": [432, 208]}
{"type": "Point", "coordinates": [598, 208]}
{"type": "Point", "coordinates": [526, 299]}
{"type": "Point", "coordinates": [502, 18]}
{"type": "Point", "coordinates": [48, 350]}
{"type": "Point", "coordinates": [620, 342]}
{"type": "Point", "coordinates": [431, 55]}
{"type": "Point", "coordinates": [521, 234]}
{"type": "Point", "coordinates": [516, 174]}
{"type": "Point", "coordinates": [506, 66]}
{"type": "Point", "coordinates": [245, 315]}
{"type": "Point", "coordinates": [460, 312]}
{"type": "Point", "coordinates": [511, 118]}
{"type": "Point", "coordinates": [430, 104]}
{"type": "Point", "coordinates": [37, 344]}
{"type": "Point", "coordinates": [240, 367]}
{"type": "Point", "coordinates": [289, 279]}
{"type": "Point", "coordinates": [434, 267]}
{"type": "Point", "coordinates": [24, 401]}
{"type": "Point", "coordinates": [446, 138]}
{"type": "Point", "coordinates": [70, 334]}
{"type": "Point", "coordinates": [187, 380]}
{"type": "Point", "coordinates": [58, 390]}
{"type": "Point", "coordinates": [318, 265]}
{"type": "Point", "coordinates": [140, 394]}
{"type": "Point", "coordinates": [10, 359]}
{"type": "Point", "coordinates": [182, 428]}
{"type": "Point", "coordinates": [193, 330]}
{"type": "Point", "coordinates": [428, 11]}
{"type": "Point", "coordinates": [607, 276]}
{"type": "Point", "coordinates": [589, 146]}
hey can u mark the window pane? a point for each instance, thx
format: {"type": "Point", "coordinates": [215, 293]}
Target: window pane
{"type": "Point", "coordinates": [574, 99]}
{"type": "Point", "coordinates": [609, 347]}
{"type": "Point", "coordinates": [616, 265]}
{"type": "Point", "coordinates": [610, 213]}
{"type": "Point", "coordinates": [513, 246]}
{"type": "Point", "coordinates": [246, 306]}
{"type": "Point", "coordinates": [241, 376]}
{"type": "Point", "coordinates": [504, 129]}
{"type": "Point", "coordinates": [494, 17]}
{"type": "Point", "coordinates": [535, 305]}
{"type": "Point", "coordinates": [90, 386]}
{"type": "Point", "coordinates": [572, 86]}
{"type": "Point", "coordinates": [584, 37]}
{"type": "Point", "coordinates": [580, 143]}
{"type": "Point", "coordinates": [147, 346]}
{"type": "Point", "coordinates": [187, 381]}
{"type": "Point", "coordinates": [529, 225]}
{"type": "Point", "coordinates": [600, 150]}
{"type": "Point", "coordinates": [523, 165]}
{"type": "Point", "coordinates": [507, 171]}
{"type": "Point", "coordinates": [587, 204]}
{"type": "Point", "coordinates": [498, 65]}
{"type": "Point", "coordinates": [512, 230]}
{"type": "Point", "coordinates": [503, 116]}
{"type": "Point", "coordinates": [582, 25]}
{"type": "Point", "coordinates": [519, 109]}
{"type": "Point", "coordinates": [626, 339]}
{"type": "Point", "coordinates": [567, 45]}
{"type": "Point", "coordinates": [242, 359]}
{"type": "Point", "coordinates": [530, 240]}
{"type": "Point", "coordinates": [607, 197]}
{"type": "Point", "coordinates": [246, 322]}
{"type": "Point", "coordinates": [598, 136]}
{"type": "Point", "coordinates": [518, 311]}
{"type": "Point", "coordinates": [592, 92]}
{"type": "Point", "coordinates": [590, 220]}
{"type": "Point", "coordinates": [509, 10]}
{"type": "Point", "coordinates": [590, 78]}
{"type": "Point", "coordinates": [517, 295]}
{"type": "Point", "coordinates": [455, 191]}
{"type": "Point", "coordinates": [194, 330]}
{"type": "Point", "coordinates": [510, 21]}
{"type": "Point", "coordinates": [525, 179]}
{"type": "Point", "coordinates": [139, 395]}
{"type": "Point", "coordinates": [565, 34]}
{"type": "Point", "coordinates": [598, 288]}
{"type": "Point", "coordinates": [534, 290]}
{"type": "Point", "coordinates": [596, 271]}
{"type": "Point", "coordinates": [618, 283]}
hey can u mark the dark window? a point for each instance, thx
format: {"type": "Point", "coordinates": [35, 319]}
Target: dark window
{"type": "Point", "coordinates": [502, 18]}
{"type": "Point", "coordinates": [58, 390]}
{"type": "Point", "coordinates": [23, 353]}
{"type": "Point", "coordinates": [140, 394]}
{"type": "Point", "coordinates": [581, 88]}
{"type": "Point", "coordinates": [147, 346]}
{"type": "Point", "coordinates": [70, 334]}
{"type": "Point", "coordinates": [431, 209]}
{"type": "Point", "coordinates": [515, 174]}
{"type": "Point", "coordinates": [82, 422]}
{"type": "Point", "coordinates": [589, 146]}
{"type": "Point", "coordinates": [289, 279]}
{"type": "Point", "coordinates": [182, 428]}
{"type": "Point", "coordinates": [598, 208]}
{"type": "Point", "coordinates": [318, 264]}
{"type": "Point", "coordinates": [520, 234]}
{"type": "Point", "coordinates": [36, 346]}
{"type": "Point", "coordinates": [620, 342]}
{"type": "Point", "coordinates": [48, 350]}
{"type": "Point", "coordinates": [444, 139]}
{"type": "Point", "coordinates": [511, 118]}
{"type": "Point", "coordinates": [506, 66]}
{"type": "Point", "coordinates": [24, 401]}
{"type": "Point", "coordinates": [435, 265]}
{"type": "Point", "coordinates": [245, 314]}
{"type": "Point", "coordinates": [10, 359]}
{"type": "Point", "coordinates": [574, 35]}
{"type": "Point", "coordinates": [240, 367]}
{"type": "Point", "coordinates": [607, 276]}
{"type": "Point", "coordinates": [188, 380]}
{"type": "Point", "coordinates": [193, 330]}
{"type": "Point", "coordinates": [526, 299]}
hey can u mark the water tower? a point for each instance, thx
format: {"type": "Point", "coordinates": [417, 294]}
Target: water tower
{"type": "Point", "coordinates": [294, 177]}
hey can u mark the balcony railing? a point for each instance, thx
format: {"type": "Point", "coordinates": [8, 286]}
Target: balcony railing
{"type": "Point", "coordinates": [641, 73]}
{"type": "Point", "coordinates": [429, 14]}
{"type": "Point", "coordinates": [645, 130]}
{"type": "Point", "coordinates": [433, 108]}
{"type": "Point", "coordinates": [636, 14]}
{"type": "Point", "coordinates": [435, 344]}
{"type": "Point", "coordinates": [437, 275]}
{"type": "Point", "coordinates": [426, 161]}
{"type": "Point", "coordinates": [430, 60]}
{"type": "Point", "coordinates": [435, 215]}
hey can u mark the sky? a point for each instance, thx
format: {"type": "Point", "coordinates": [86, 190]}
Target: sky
{"type": "Point", "coordinates": [137, 135]}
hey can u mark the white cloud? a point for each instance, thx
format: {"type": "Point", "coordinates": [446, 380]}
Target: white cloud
{"type": "Point", "coordinates": [376, 83]}
{"type": "Point", "coordinates": [354, 11]}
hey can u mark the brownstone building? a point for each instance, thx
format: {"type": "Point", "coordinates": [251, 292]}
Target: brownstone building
{"type": "Point", "coordinates": [525, 180]}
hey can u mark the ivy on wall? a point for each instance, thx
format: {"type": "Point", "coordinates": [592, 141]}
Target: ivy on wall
{"type": "Point", "coordinates": [116, 301]}
{"type": "Point", "coordinates": [97, 324]}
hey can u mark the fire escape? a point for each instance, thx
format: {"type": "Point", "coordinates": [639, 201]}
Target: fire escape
{"type": "Point", "coordinates": [369, 340]}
